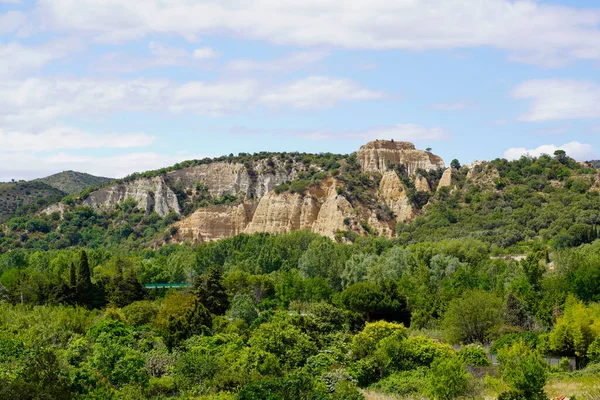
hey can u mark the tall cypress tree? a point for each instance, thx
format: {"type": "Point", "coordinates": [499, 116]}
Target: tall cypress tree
{"type": "Point", "coordinates": [85, 291]}
{"type": "Point", "coordinates": [72, 276]}
{"type": "Point", "coordinates": [84, 279]}
{"type": "Point", "coordinates": [210, 291]}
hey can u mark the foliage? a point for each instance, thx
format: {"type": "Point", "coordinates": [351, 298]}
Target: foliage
{"type": "Point", "coordinates": [447, 379]}
{"type": "Point", "coordinates": [524, 370]}
{"type": "Point", "coordinates": [473, 318]}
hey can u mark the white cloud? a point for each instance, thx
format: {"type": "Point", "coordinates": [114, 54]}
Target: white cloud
{"type": "Point", "coordinates": [18, 59]}
{"type": "Point", "coordinates": [162, 55]}
{"type": "Point", "coordinates": [531, 32]}
{"type": "Point", "coordinates": [12, 21]}
{"type": "Point", "coordinates": [398, 132]}
{"type": "Point", "coordinates": [556, 99]}
{"type": "Point", "coordinates": [291, 62]}
{"type": "Point", "coordinates": [35, 100]}
{"type": "Point", "coordinates": [28, 165]}
{"type": "Point", "coordinates": [317, 92]}
{"type": "Point", "coordinates": [576, 150]}
{"type": "Point", "coordinates": [205, 53]}
{"type": "Point", "coordinates": [59, 138]}
{"type": "Point", "coordinates": [458, 105]}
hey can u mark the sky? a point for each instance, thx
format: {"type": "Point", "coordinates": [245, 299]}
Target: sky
{"type": "Point", "coordinates": [112, 87]}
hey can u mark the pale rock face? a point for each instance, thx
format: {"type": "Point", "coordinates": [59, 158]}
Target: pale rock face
{"type": "Point", "coordinates": [214, 223]}
{"type": "Point", "coordinates": [446, 179]}
{"type": "Point", "coordinates": [320, 210]}
{"type": "Point", "coordinates": [393, 193]}
{"type": "Point", "coordinates": [375, 155]}
{"type": "Point", "coordinates": [485, 177]}
{"type": "Point", "coordinates": [58, 207]}
{"type": "Point", "coordinates": [421, 184]}
{"type": "Point", "coordinates": [331, 215]}
{"type": "Point", "coordinates": [151, 194]}
{"type": "Point", "coordinates": [276, 214]}
{"type": "Point", "coordinates": [220, 178]}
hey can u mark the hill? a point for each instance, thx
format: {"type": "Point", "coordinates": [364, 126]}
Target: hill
{"type": "Point", "coordinates": [20, 198]}
{"type": "Point", "coordinates": [387, 188]}
{"type": "Point", "coordinates": [72, 182]}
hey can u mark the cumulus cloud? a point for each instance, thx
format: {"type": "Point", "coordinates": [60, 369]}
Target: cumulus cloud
{"type": "Point", "coordinates": [317, 92]}
{"type": "Point", "coordinates": [398, 132]}
{"type": "Point", "coordinates": [291, 62]}
{"type": "Point", "coordinates": [205, 53]}
{"type": "Point", "coordinates": [576, 150]}
{"type": "Point", "coordinates": [161, 55]}
{"type": "Point", "coordinates": [59, 138]}
{"type": "Point", "coordinates": [556, 99]}
{"type": "Point", "coordinates": [531, 32]}
{"type": "Point", "coordinates": [27, 165]}
{"type": "Point", "coordinates": [42, 99]}
{"type": "Point", "coordinates": [18, 59]}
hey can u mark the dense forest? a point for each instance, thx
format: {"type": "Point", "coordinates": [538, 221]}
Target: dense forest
{"type": "Point", "coordinates": [497, 277]}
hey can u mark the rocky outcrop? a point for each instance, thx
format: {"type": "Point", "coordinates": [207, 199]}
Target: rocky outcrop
{"type": "Point", "coordinates": [258, 208]}
{"type": "Point", "coordinates": [319, 209]}
{"type": "Point", "coordinates": [58, 207]}
{"type": "Point", "coordinates": [214, 222]}
{"type": "Point", "coordinates": [421, 184]}
{"type": "Point", "coordinates": [393, 193]}
{"type": "Point", "coordinates": [374, 156]}
{"type": "Point", "coordinates": [151, 194]}
{"type": "Point", "coordinates": [481, 174]}
{"type": "Point", "coordinates": [223, 178]}
{"type": "Point", "coordinates": [446, 179]}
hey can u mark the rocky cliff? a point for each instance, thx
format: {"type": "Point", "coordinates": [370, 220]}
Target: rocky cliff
{"type": "Point", "coordinates": [250, 204]}
{"type": "Point", "coordinates": [375, 155]}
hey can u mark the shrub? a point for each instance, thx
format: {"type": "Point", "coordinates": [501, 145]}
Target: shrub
{"type": "Point", "coordinates": [473, 355]}
{"type": "Point", "coordinates": [447, 379]}
{"type": "Point", "coordinates": [524, 370]}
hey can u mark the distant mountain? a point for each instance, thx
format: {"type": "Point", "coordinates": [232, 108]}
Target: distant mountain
{"type": "Point", "coordinates": [17, 198]}
{"type": "Point", "coordinates": [71, 182]}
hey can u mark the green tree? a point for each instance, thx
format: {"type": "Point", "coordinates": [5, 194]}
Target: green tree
{"type": "Point", "coordinates": [455, 164]}
{"type": "Point", "coordinates": [447, 379]}
{"type": "Point", "coordinates": [364, 297]}
{"type": "Point", "coordinates": [211, 292]}
{"type": "Point", "coordinates": [524, 370]}
{"type": "Point", "coordinates": [473, 318]}
{"type": "Point", "coordinates": [287, 342]}
{"type": "Point", "coordinates": [243, 308]}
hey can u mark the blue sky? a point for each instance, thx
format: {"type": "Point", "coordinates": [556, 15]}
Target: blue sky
{"type": "Point", "coordinates": [112, 87]}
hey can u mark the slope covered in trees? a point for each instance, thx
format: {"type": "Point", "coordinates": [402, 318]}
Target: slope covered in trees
{"type": "Point", "coordinates": [25, 198]}
{"type": "Point", "coordinates": [298, 316]}
{"type": "Point", "coordinates": [72, 182]}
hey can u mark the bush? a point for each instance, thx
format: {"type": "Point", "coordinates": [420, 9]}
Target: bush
{"type": "Point", "coordinates": [140, 313]}
{"type": "Point", "coordinates": [405, 383]}
{"type": "Point", "coordinates": [593, 352]}
{"type": "Point", "coordinates": [524, 370]}
{"type": "Point", "coordinates": [474, 356]}
{"type": "Point", "coordinates": [447, 379]}
{"type": "Point", "coordinates": [365, 342]}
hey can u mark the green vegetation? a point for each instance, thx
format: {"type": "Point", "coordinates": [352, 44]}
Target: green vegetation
{"type": "Point", "coordinates": [301, 316]}
{"type": "Point", "coordinates": [23, 198]}
{"type": "Point", "coordinates": [73, 183]}
{"type": "Point", "coordinates": [295, 316]}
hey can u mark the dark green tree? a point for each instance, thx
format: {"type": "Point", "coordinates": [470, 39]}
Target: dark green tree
{"type": "Point", "coordinates": [211, 292]}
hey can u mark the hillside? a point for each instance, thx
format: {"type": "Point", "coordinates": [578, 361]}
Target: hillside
{"type": "Point", "coordinates": [387, 188]}
{"type": "Point", "coordinates": [72, 182]}
{"type": "Point", "coordinates": [19, 198]}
